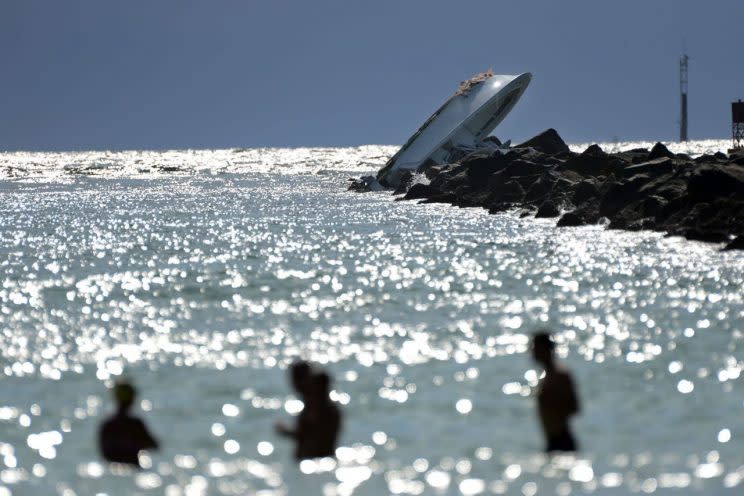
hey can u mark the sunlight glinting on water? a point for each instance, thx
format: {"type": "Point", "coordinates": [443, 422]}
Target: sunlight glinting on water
{"type": "Point", "coordinates": [202, 274]}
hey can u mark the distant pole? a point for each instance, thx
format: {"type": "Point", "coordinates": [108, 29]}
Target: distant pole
{"type": "Point", "coordinates": [737, 124]}
{"type": "Point", "coordinates": [683, 97]}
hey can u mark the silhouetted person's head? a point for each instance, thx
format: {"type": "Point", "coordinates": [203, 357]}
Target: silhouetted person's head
{"type": "Point", "coordinates": [299, 373]}
{"type": "Point", "coordinates": [542, 347]}
{"type": "Point", "coordinates": [124, 394]}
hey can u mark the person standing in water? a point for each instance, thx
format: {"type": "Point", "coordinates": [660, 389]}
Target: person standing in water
{"type": "Point", "coordinates": [319, 423]}
{"type": "Point", "coordinates": [122, 436]}
{"type": "Point", "coordinates": [557, 400]}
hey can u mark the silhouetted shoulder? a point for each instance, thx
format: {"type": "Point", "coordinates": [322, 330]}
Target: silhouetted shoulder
{"type": "Point", "coordinates": [122, 438]}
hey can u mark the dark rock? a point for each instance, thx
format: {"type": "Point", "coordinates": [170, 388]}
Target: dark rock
{"type": "Point", "coordinates": [587, 214]}
{"type": "Point", "coordinates": [671, 185]}
{"type": "Point", "coordinates": [585, 190]}
{"type": "Point", "coordinates": [594, 151]}
{"type": "Point", "coordinates": [706, 159]}
{"type": "Point", "coordinates": [509, 191]}
{"type": "Point", "coordinates": [469, 196]}
{"type": "Point", "coordinates": [441, 198]}
{"type": "Point", "coordinates": [570, 175]}
{"type": "Point", "coordinates": [451, 179]}
{"type": "Point", "coordinates": [653, 206]}
{"type": "Point", "coordinates": [700, 198]}
{"type": "Point", "coordinates": [659, 151]}
{"type": "Point", "coordinates": [723, 214]}
{"type": "Point", "coordinates": [548, 210]}
{"type": "Point", "coordinates": [548, 142]}
{"type": "Point", "coordinates": [697, 234]}
{"type": "Point", "coordinates": [481, 164]}
{"type": "Point", "coordinates": [620, 195]}
{"type": "Point", "coordinates": [526, 181]}
{"type": "Point", "coordinates": [736, 244]}
{"type": "Point", "coordinates": [634, 156]}
{"type": "Point", "coordinates": [525, 212]}
{"type": "Point", "coordinates": [421, 191]}
{"type": "Point", "coordinates": [364, 184]}
{"type": "Point", "coordinates": [500, 207]}
{"type": "Point", "coordinates": [563, 186]}
{"type": "Point", "coordinates": [715, 181]}
{"type": "Point", "coordinates": [563, 156]}
{"type": "Point", "coordinates": [593, 162]}
{"type": "Point", "coordinates": [570, 219]}
{"type": "Point", "coordinates": [630, 217]}
{"type": "Point", "coordinates": [652, 167]}
{"type": "Point", "coordinates": [405, 182]}
{"type": "Point", "coordinates": [540, 188]}
{"type": "Point", "coordinates": [435, 170]}
{"type": "Point", "coordinates": [521, 167]}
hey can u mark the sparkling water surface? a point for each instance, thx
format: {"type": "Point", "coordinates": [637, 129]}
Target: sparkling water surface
{"type": "Point", "coordinates": [202, 274]}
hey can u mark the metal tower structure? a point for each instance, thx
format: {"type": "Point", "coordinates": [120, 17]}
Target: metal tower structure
{"type": "Point", "coordinates": [737, 124]}
{"type": "Point", "coordinates": [683, 97]}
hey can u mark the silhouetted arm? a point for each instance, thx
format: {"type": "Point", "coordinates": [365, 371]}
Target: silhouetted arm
{"type": "Point", "coordinates": [285, 431]}
{"type": "Point", "coordinates": [104, 443]}
{"type": "Point", "coordinates": [573, 404]}
{"type": "Point", "coordinates": [147, 441]}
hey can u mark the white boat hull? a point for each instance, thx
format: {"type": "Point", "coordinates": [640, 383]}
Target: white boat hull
{"type": "Point", "coordinates": [463, 121]}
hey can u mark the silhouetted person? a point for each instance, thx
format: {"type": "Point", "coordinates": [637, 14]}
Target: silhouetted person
{"type": "Point", "coordinates": [319, 422]}
{"type": "Point", "coordinates": [123, 436]}
{"type": "Point", "coordinates": [556, 397]}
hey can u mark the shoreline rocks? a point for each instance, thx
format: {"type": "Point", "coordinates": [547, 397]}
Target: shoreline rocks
{"type": "Point", "coordinates": [700, 198]}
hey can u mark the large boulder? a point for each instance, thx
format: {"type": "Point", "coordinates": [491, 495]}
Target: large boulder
{"type": "Point", "coordinates": [548, 142]}
{"type": "Point", "coordinates": [548, 209]}
{"type": "Point", "coordinates": [469, 196]}
{"type": "Point", "coordinates": [594, 151]}
{"type": "Point", "coordinates": [619, 195]}
{"type": "Point", "coordinates": [441, 198]}
{"type": "Point", "coordinates": [736, 244]}
{"type": "Point", "coordinates": [584, 191]}
{"type": "Point", "coordinates": [421, 191]}
{"type": "Point", "coordinates": [698, 234]}
{"type": "Point", "coordinates": [405, 182]}
{"type": "Point", "coordinates": [654, 206]}
{"type": "Point", "coordinates": [593, 162]}
{"type": "Point", "coordinates": [653, 167]}
{"type": "Point", "coordinates": [505, 192]}
{"type": "Point", "coordinates": [481, 164]}
{"type": "Point", "coordinates": [540, 188]}
{"type": "Point", "coordinates": [634, 156]}
{"type": "Point", "coordinates": [715, 181]}
{"type": "Point", "coordinates": [586, 214]}
{"type": "Point", "coordinates": [520, 167]}
{"type": "Point", "coordinates": [659, 151]}
{"type": "Point", "coordinates": [435, 170]}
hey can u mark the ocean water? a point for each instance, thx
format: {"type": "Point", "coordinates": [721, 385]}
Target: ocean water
{"type": "Point", "coordinates": [202, 274]}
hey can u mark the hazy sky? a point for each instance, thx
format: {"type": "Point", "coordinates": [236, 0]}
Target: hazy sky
{"type": "Point", "coordinates": [211, 74]}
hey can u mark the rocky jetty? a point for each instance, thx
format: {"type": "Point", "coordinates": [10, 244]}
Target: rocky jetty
{"type": "Point", "coordinates": [699, 198]}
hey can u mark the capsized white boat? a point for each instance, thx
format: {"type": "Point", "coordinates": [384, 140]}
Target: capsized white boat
{"type": "Point", "coordinates": [465, 119]}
